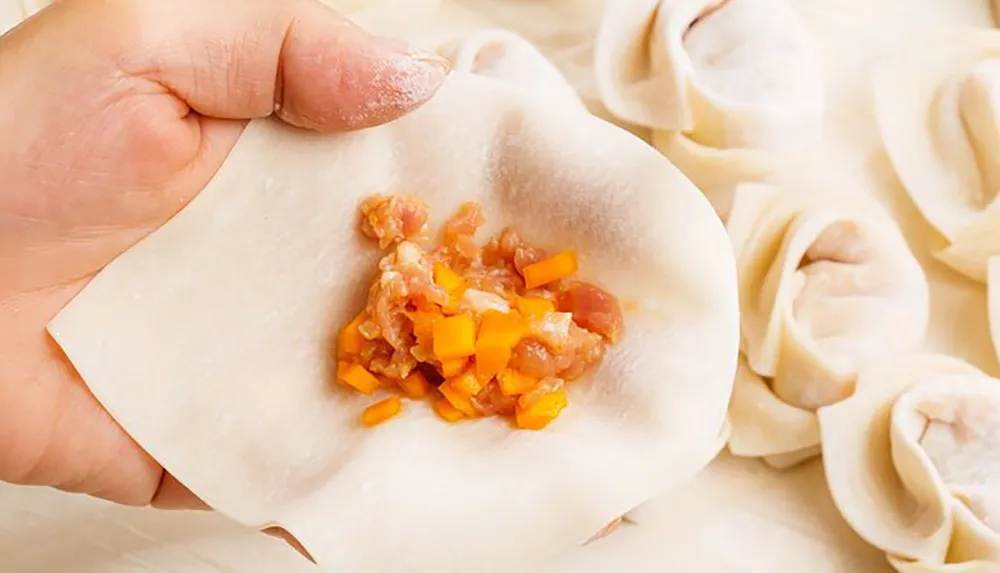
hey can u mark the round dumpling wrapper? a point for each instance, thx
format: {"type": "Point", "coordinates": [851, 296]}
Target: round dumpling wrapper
{"type": "Point", "coordinates": [827, 285]}
{"type": "Point", "coordinates": [210, 341]}
{"type": "Point", "coordinates": [913, 462]}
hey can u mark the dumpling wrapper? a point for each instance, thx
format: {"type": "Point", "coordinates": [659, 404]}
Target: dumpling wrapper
{"type": "Point", "coordinates": [731, 89]}
{"type": "Point", "coordinates": [211, 340]}
{"type": "Point", "coordinates": [913, 463]}
{"type": "Point", "coordinates": [993, 302]}
{"type": "Point", "coordinates": [767, 427]}
{"type": "Point", "coordinates": [939, 115]}
{"type": "Point", "coordinates": [827, 285]}
{"type": "Point", "coordinates": [506, 56]}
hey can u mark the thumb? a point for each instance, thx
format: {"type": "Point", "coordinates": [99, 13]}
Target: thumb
{"type": "Point", "coordinates": [245, 59]}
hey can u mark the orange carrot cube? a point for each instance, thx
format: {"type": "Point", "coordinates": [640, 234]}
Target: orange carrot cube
{"type": "Point", "coordinates": [550, 270]}
{"type": "Point", "coordinates": [381, 411]}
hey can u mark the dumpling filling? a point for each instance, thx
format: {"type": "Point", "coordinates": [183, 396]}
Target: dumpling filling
{"type": "Point", "coordinates": [962, 440]}
{"type": "Point", "coordinates": [493, 330]}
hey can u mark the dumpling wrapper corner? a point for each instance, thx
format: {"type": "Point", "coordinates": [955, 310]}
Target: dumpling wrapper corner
{"type": "Point", "coordinates": [211, 340]}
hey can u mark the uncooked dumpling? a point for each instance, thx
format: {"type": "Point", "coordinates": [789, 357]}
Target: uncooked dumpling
{"type": "Point", "coordinates": [913, 462]}
{"type": "Point", "coordinates": [732, 88]}
{"type": "Point", "coordinates": [506, 56]}
{"type": "Point", "coordinates": [827, 284]}
{"type": "Point", "coordinates": [211, 341]}
{"type": "Point", "coordinates": [939, 113]}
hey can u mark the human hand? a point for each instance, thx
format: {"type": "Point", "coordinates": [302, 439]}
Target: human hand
{"type": "Point", "coordinates": [114, 114]}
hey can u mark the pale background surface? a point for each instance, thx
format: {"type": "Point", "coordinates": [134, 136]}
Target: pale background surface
{"type": "Point", "coordinates": [737, 517]}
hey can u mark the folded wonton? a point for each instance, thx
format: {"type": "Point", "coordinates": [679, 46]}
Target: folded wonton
{"type": "Point", "coordinates": [211, 341]}
{"type": "Point", "coordinates": [731, 88]}
{"type": "Point", "coordinates": [939, 113]}
{"type": "Point", "coordinates": [827, 284]}
{"type": "Point", "coordinates": [913, 462]}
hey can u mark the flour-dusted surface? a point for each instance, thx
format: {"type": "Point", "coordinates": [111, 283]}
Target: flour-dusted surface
{"type": "Point", "coordinates": [738, 517]}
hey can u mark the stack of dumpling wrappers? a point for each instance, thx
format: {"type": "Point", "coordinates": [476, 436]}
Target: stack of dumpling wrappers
{"type": "Point", "coordinates": [832, 169]}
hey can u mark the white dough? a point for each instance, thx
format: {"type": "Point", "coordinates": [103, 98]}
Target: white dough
{"type": "Point", "coordinates": [732, 88]}
{"type": "Point", "coordinates": [913, 462]}
{"type": "Point", "coordinates": [210, 340]}
{"type": "Point", "coordinates": [506, 56]}
{"type": "Point", "coordinates": [828, 285]}
{"type": "Point", "coordinates": [939, 114]}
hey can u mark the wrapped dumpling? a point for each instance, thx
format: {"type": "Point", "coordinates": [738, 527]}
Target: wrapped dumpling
{"type": "Point", "coordinates": [504, 55]}
{"type": "Point", "coordinates": [731, 88]}
{"type": "Point", "coordinates": [912, 460]}
{"type": "Point", "coordinates": [214, 341]}
{"type": "Point", "coordinates": [939, 115]}
{"type": "Point", "coordinates": [827, 284]}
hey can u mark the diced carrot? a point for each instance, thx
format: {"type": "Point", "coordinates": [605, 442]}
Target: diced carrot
{"type": "Point", "coordinates": [454, 337]}
{"type": "Point", "coordinates": [381, 411]}
{"type": "Point", "coordinates": [552, 269]}
{"type": "Point", "coordinates": [457, 398]}
{"type": "Point", "coordinates": [447, 278]}
{"type": "Point", "coordinates": [349, 339]}
{"type": "Point", "coordinates": [502, 329]}
{"type": "Point", "coordinates": [450, 413]}
{"type": "Point", "coordinates": [450, 368]}
{"type": "Point", "coordinates": [499, 333]}
{"type": "Point", "coordinates": [355, 376]}
{"type": "Point", "coordinates": [467, 382]}
{"type": "Point", "coordinates": [415, 385]}
{"type": "Point", "coordinates": [491, 359]}
{"type": "Point", "coordinates": [542, 412]}
{"type": "Point", "coordinates": [423, 324]}
{"type": "Point", "coordinates": [514, 383]}
{"type": "Point", "coordinates": [534, 306]}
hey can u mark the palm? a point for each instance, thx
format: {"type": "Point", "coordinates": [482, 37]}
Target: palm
{"type": "Point", "coordinates": [109, 164]}
{"type": "Point", "coordinates": [101, 149]}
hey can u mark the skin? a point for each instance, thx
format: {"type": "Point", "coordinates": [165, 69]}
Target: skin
{"type": "Point", "coordinates": [123, 110]}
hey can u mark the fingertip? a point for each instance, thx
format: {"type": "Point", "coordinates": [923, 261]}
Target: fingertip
{"type": "Point", "coordinates": [352, 79]}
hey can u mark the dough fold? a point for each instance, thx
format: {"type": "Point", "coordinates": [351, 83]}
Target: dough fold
{"type": "Point", "coordinates": [939, 115]}
{"type": "Point", "coordinates": [913, 463]}
{"type": "Point", "coordinates": [827, 285]}
{"type": "Point", "coordinates": [731, 89]}
{"type": "Point", "coordinates": [211, 341]}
